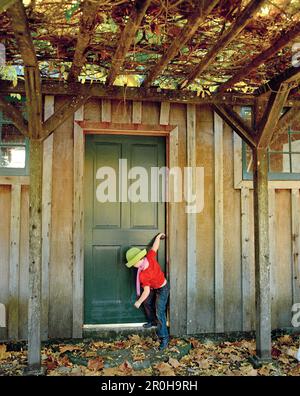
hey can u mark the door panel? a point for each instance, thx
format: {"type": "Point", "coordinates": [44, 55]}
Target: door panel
{"type": "Point", "coordinates": [113, 227]}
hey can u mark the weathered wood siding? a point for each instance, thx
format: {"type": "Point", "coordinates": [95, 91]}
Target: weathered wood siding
{"type": "Point", "coordinates": [223, 277]}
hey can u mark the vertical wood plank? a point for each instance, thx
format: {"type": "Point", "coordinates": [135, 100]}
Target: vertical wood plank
{"type": "Point", "coordinates": [219, 224]}
{"type": "Point", "coordinates": [246, 259]}
{"type": "Point", "coordinates": [296, 245]}
{"type": "Point", "coordinates": [78, 224]}
{"type": "Point", "coordinates": [272, 242]}
{"type": "Point", "coordinates": [5, 209]}
{"type": "Point", "coordinates": [46, 217]}
{"type": "Point", "coordinates": [192, 286]}
{"type": "Point", "coordinates": [237, 158]}
{"type": "Point", "coordinates": [164, 113]}
{"type": "Point", "coordinates": [136, 112]}
{"type": "Point", "coordinates": [106, 110]}
{"type": "Point", "coordinates": [173, 236]}
{"type": "Point", "coordinates": [14, 263]}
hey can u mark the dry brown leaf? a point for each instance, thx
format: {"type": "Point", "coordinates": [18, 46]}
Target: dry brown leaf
{"type": "Point", "coordinates": [286, 339]}
{"type": "Point", "coordinates": [65, 348]}
{"type": "Point", "coordinates": [95, 364]}
{"type": "Point", "coordinates": [174, 362]}
{"type": "Point", "coordinates": [165, 369]}
{"type": "Point", "coordinates": [248, 371]}
{"type": "Point", "coordinates": [3, 353]}
{"type": "Point", "coordinates": [125, 367]}
{"type": "Point", "coordinates": [203, 364]}
{"type": "Point", "coordinates": [265, 370]}
{"type": "Point", "coordinates": [110, 371]}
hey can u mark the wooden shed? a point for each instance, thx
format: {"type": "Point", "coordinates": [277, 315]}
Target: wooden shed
{"type": "Point", "coordinates": [216, 90]}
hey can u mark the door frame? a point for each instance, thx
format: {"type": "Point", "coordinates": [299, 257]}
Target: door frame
{"type": "Point", "coordinates": [82, 128]}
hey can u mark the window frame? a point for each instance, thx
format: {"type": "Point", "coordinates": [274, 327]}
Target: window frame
{"type": "Point", "coordinates": [5, 171]}
{"type": "Point", "coordinates": [274, 176]}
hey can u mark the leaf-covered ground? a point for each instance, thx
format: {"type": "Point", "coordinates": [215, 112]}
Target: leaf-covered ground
{"type": "Point", "coordinates": [138, 355]}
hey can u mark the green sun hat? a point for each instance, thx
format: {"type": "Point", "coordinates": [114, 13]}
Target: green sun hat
{"type": "Point", "coordinates": [134, 255]}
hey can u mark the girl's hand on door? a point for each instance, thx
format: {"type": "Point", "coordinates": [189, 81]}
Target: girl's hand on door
{"type": "Point", "coordinates": [137, 304]}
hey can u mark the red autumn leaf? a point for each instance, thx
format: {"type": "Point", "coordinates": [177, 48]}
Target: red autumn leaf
{"type": "Point", "coordinates": [276, 352]}
{"type": "Point", "coordinates": [95, 364]}
{"type": "Point", "coordinates": [51, 363]}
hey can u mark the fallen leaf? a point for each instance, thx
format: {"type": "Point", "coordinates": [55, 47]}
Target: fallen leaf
{"type": "Point", "coordinates": [203, 364]}
{"type": "Point", "coordinates": [125, 367]}
{"type": "Point", "coordinates": [248, 371]}
{"type": "Point", "coordinates": [165, 369]}
{"type": "Point", "coordinates": [174, 362]}
{"type": "Point", "coordinates": [65, 348]}
{"type": "Point", "coordinates": [110, 371]}
{"type": "Point", "coordinates": [3, 353]}
{"type": "Point", "coordinates": [95, 364]}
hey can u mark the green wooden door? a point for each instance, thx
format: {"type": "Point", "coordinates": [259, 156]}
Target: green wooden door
{"type": "Point", "coordinates": [113, 227]}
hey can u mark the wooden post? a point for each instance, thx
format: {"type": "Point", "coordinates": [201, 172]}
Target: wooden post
{"type": "Point", "coordinates": [14, 263]}
{"type": "Point", "coordinates": [78, 224]}
{"type": "Point", "coordinates": [262, 263]}
{"type": "Point", "coordinates": [192, 285]}
{"type": "Point", "coordinates": [35, 254]}
{"type": "Point", "coordinates": [219, 224]}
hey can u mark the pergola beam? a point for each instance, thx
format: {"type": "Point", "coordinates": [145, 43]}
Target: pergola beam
{"type": "Point", "coordinates": [185, 35]}
{"type": "Point", "coordinates": [230, 34]}
{"type": "Point", "coordinates": [290, 75]}
{"type": "Point", "coordinates": [33, 89]}
{"type": "Point", "coordinates": [15, 115]}
{"type": "Point", "coordinates": [283, 40]}
{"type": "Point", "coordinates": [87, 26]}
{"type": "Point", "coordinates": [292, 115]}
{"type": "Point", "coordinates": [127, 37]}
{"type": "Point", "coordinates": [62, 114]}
{"type": "Point", "coordinates": [236, 123]}
{"type": "Point", "coordinates": [272, 115]}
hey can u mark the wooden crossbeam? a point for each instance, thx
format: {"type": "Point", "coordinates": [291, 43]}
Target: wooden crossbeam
{"type": "Point", "coordinates": [15, 115]}
{"type": "Point", "coordinates": [292, 115]}
{"type": "Point", "coordinates": [236, 123]}
{"type": "Point", "coordinates": [128, 34]}
{"type": "Point", "coordinates": [272, 114]}
{"type": "Point", "coordinates": [33, 88]}
{"type": "Point", "coordinates": [62, 114]}
{"type": "Point", "coordinates": [290, 75]}
{"type": "Point", "coordinates": [221, 43]}
{"type": "Point", "coordinates": [87, 27]}
{"type": "Point", "coordinates": [284, 38]}
{"type": "Point", "coordinates": [185, 35]}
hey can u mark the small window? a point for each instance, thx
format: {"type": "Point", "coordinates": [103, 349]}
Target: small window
{"type": "Point", "coordinates": [13, 145]}
{"type": "Point", "coordinates": [283, 154]}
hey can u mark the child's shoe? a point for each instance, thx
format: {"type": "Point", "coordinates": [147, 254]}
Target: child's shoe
{"type": "Point", "coordinates": [163, 343]}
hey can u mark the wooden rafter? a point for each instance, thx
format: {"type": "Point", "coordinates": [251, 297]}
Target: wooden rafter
{"type": "Point", "coordinates": [127, 36]}
{"type": "Point", "coordinates": [33, 88]}
{"type": "Point", "coordinates": [291, 74]}
{"type": "Point", "coordinates": [236, 123]}
{"type": "Point", "coordinates": [87, 26]}
{"type": "Point", "coordinates": [63, 113]}
{"type": "Point", "coordinates": [15, 115]}
{"type": "Point", "coordinates": [185, 35]}
{"type": "Point", "coordinates": [292, 115]}
{"type": "Point", "coordinates": [272, 114]}
{"type": "Point", "coordinates": [284, 38]}
{"type": "Point", "coordinates": [229, 35]}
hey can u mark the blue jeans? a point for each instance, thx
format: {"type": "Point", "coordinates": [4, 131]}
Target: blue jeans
{"type": "Point", "coordinates": [155, 308]}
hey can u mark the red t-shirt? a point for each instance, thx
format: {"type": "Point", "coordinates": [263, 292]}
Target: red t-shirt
{"type": "Point", "coordinates": [153, 275]}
